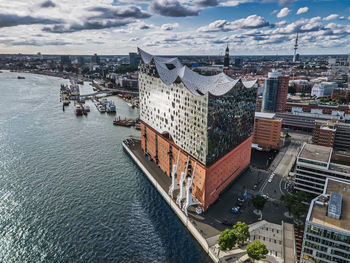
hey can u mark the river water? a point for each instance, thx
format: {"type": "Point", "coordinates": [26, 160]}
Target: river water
{"type": "Point", "coordinates": [68, 191]}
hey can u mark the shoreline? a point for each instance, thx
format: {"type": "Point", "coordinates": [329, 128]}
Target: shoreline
{"type": "Point", "coordinates": [176, 209]}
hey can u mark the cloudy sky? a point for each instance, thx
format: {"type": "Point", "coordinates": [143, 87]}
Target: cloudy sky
{"type": "Point", "coordinates": [174, 26]}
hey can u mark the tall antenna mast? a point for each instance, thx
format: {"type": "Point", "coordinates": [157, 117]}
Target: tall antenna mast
{"type": "Point", "coordinates": [295, 49]}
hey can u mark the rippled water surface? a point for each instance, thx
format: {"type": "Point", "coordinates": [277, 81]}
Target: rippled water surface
{"type": "Point", "coordinates": [69, 193]}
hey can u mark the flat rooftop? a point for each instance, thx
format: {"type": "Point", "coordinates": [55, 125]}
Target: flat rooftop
{"type": "Point", "coordinates": [316, 152]}
{"type": "Point", "coordinates": [265, 115]}
{"type": "Point", "coordinates": [319, 213]}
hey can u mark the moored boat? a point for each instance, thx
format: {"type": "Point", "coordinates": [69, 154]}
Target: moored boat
{"type": "Point", "coordinates": [110, 108]}
{"type": "Point", "coordinates": [101, 108]}
{"type": "Point", "coordinates": [78, 110]}
{"type": "Point", "coordinates": [20, 77]}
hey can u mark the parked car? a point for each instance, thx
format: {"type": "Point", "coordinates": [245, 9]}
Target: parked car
{"type": "Point", "coordinates": [266, 196]}
{"type": "Point", "coordinates": [235, 209]}
{"type": "Point", "coordinates": [255, 186]}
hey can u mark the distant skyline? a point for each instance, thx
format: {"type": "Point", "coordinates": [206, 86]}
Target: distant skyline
{"type": "Point", "coordinates": [183, 27]}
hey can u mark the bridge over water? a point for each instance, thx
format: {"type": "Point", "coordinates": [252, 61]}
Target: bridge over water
{"type": "Point", "coordinates": [109, 92]}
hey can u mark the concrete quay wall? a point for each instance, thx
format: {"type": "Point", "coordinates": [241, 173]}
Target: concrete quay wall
{"type": "Point", "coordinates": [184, 219]}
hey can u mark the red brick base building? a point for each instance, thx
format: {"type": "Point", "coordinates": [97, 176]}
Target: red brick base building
{"type": "Point", "coordinates": [208, 182]}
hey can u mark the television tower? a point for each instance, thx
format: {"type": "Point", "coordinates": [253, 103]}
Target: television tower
{"type": "Point", "coordinates": [295, 49]}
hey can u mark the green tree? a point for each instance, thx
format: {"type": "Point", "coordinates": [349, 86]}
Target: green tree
{"type": "Point", "coordinates": [227, 239]}
{"type": "Point", "coordinates": [259, 202]}
{"type": "Point", "coordinates": [241, 231]}
{"type": "Point", "coordinates": [257, 250]}
{"type": "Point", "coordinates": [288, 201]}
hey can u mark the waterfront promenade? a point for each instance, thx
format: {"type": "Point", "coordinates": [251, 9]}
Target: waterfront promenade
{"type": "Point", "coordinates": [207, 226]}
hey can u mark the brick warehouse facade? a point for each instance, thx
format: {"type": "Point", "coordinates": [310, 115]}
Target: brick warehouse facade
{"type": "Point", "coordinates": [208, 119]}
{"type": "Point", "coordinates": [208, 181]}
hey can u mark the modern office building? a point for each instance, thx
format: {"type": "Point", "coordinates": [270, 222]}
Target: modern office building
{"type": "Point", "coordinates": [195, 126]}
{"type": "Point", "coordinates": [275, 92]}
{"type": "Point", "coordinates": [267, 131]}
{"type": "Point", "coordinates": [316, 163]}
{"type": "Point", "coordinates": [327, 227]}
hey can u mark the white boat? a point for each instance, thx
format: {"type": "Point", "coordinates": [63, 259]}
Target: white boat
{"type": "Point", "coordinates": [101, 108]}
{"type": "Point", "coordinates": [87, 108]}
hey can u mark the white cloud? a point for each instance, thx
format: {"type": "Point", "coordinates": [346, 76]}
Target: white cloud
{"type": "Point", "coordinates": [331, 17]}
{"type": "Point", "coordinates": [168, 27]}
{"type": "Point", "coordinates": [283, 12]}
{"type": "Point", "coordinates": [281, 23]}
{"type": "Point", "coordinates": [253, 21]}
{"type": "Point", "coordinates": [302, 10]}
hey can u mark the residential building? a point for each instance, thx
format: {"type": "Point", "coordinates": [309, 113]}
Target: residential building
{"type": "Point", "coordinates": [327, 227]}
{"type": "Point", "coordinates": [275, 92]}
{"type": "Point", "coordinates": [205, 122]}
{"type": "Point", "coordinates": [267, 131]}
{"type": "Point", "coordinates": [316, 163]}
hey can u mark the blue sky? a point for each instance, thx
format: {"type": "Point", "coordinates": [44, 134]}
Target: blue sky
{"type": "Point", "coordinates": [202, 27]}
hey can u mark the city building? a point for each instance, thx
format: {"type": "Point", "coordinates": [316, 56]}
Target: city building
{"type": "Point", "coordinates": [65, 60]}
{"type": "Point", "coordinates": [227, 58]}
{"type": "Point", "coordinates": [324, 133]}
{"type": "Point", "coordinates": [195, 127]}
{"type": "Point", "coordinates": [267, 131]}
{"type": "Point", "coordinates": [340, 94]}
{"type": "Point", "coordinates": [327, 227]}
{"type": "Point", "coordinates": [275, 92]}
{"type": "Point", "coordinates": [238, 62]}
{"type": "Point", "coordinates": [325, 109]}
{"type": "Point", "coordinates": [323, 89]}
{"type": "Point", "coordinates": [332, 133]}
{"type": "Point", "coordinates": [134, 59]}
{"type": "Point", "coordinates": [95, 59]}
{"type": "Point", "coordinates": [316, 163]}
{"type": "Point", "coordinates": [278, 239]}
{"type": "Point", "coordinates": [258, 105]}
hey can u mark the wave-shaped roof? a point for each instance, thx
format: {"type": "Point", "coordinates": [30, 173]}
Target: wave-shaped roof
{"type": "Point", "coordinates": [197, 84]}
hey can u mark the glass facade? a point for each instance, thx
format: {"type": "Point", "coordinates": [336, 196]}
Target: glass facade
{"type": "Point", "coordinates": [270, 94]}
{"type": "Point", "coordinates": [325, 245]}
{"type": "Point", "coordinates": [230, 121]}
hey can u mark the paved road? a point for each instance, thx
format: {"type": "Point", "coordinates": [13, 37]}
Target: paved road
{"type": "Point", "coordinates": [281, 166]}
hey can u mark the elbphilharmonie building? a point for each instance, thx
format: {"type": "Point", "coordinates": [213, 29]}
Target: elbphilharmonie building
{"type": "Point", "coordinates": [195, 126]}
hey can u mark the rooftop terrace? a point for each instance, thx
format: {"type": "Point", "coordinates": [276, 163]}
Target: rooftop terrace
{"type": "Point", "coordinates": [319, 212]}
